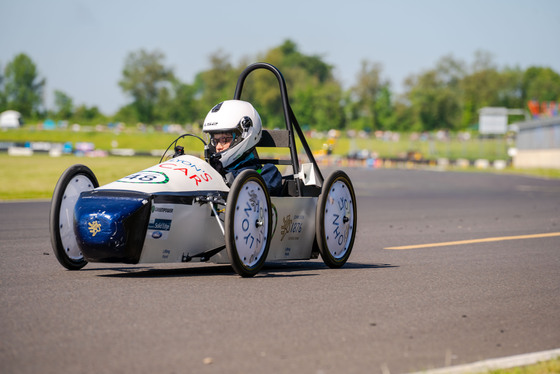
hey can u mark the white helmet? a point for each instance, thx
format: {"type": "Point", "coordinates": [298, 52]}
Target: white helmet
{"type": "Point", "coordinates": [240, 118]}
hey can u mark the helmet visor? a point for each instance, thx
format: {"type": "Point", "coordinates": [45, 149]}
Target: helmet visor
{"type": "Point", "coordinates": [221, 138]}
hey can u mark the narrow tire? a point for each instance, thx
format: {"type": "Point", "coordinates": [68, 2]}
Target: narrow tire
{"type": "Point", "coordinates": [336, 219]}
{"type": "Point", "coordinates": [248, 223]}
{"type": "Point", "coordinates": [76, 179]}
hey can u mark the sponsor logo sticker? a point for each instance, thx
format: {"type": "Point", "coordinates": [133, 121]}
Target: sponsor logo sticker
{"type": "Point", "coordinates": [160, 224]}
{"type": "Point", "coordinates": [291, 227]}
{"type": "Point", "coordinates": [94, 227]}
{"type": "Point", "coordinates": [160, 221]}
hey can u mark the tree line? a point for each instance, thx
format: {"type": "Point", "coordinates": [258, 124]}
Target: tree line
{"type": "Point", "coordinates": [447, 96]}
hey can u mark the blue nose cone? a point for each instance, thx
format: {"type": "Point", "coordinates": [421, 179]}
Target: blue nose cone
{"type": "Point", "coordinates": [110, 227]}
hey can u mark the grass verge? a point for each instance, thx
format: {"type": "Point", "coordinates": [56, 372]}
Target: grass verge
{"type": "Point", "coordinates": [35, 177]}
{"type": "Point", "coordinates": [452, 147]}
{"type": "Point", "coordinates": [545, 367]}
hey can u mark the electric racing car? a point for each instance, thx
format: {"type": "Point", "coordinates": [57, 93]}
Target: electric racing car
{"type": "Point", "coordinates": [183, 209]}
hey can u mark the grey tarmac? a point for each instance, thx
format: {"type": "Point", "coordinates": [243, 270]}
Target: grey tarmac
{"type": "Point", "coordinates": [386, 311]}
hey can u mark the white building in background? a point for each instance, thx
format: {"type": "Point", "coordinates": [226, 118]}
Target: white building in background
{"type": "Point", "coordinates": [538, 144]}
{"type": "Point", "coordinates": [10, 119]}
{"type": "Point", "coordinates": [494, 120]}
{"type": "Point", "coordinates": [538, 140]}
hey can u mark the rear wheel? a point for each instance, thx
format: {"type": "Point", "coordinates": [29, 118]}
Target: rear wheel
{"type": "Point", "coordinates": [74, 180]}
{"type": "Point", "coordinates": [336, 219]}
{"type": "Point", "coordinates": [248, 223]}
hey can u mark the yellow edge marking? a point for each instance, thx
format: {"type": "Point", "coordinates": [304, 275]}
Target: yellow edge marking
{"type": "Point", "coordinates": [460, 242]}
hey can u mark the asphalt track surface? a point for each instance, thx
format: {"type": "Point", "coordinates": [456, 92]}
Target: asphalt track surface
{"type": "Point", "coordinates": [386, 311]}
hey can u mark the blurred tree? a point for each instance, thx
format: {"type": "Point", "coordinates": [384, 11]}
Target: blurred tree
{"type": "Point", "coordinates": [488, 86]}
{"type": "Point", "coordinates": [479, 88]}
{"type": "Point", "coordinates": [314, 94]}
{"type": "Point", "coordinates": [369, 103]}
{"type": "Point", "coordinates": [435, 104]}
{"type": "Point", "coordinates": [403, 116]}
{"type": "Point", "coordinates": [451, 71]}
{"type": "Point", "coordinates": [510, 93]}
{"type": "Point", "coordinates": [64, 106]}
{"type": "Point", "coordinates": [216, 84]}
{"type": "Point", "coordinates": [144, 76]}
{"type": "Point", "coordinates": [86, 115]}
{"type": "Point", "coordinates": [176, 104]}
{"type": "Point", "coordinates": [127, 114]}
{"type": "Point", "coordinates": [541, 84]}
{"type": "Point", "coordinates": [313, 65]}
{"type": "Point", "coordinates": [186, 108]}
{"type": "Point", "coordinates": [385, 109]}
{"type": "Point", "coordinates": [483, 60]}
{"type": "Point", "coordinates": [447, 96]}
{"type": "Point", "coordinates": [329, 111]}
{"type": "Point", "coordinates": [23, 89]}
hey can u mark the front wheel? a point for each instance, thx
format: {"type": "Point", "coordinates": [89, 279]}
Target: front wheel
{"type": "Point", "coordinates": [248, 223]}
{"type": "Point", "coordinates": [336, 219]}
{"type": "Point", "coordinates": [75, 180]}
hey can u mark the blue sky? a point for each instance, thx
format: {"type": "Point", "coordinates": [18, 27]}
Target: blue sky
{"type": "Point", "coordinates": [80, 46]}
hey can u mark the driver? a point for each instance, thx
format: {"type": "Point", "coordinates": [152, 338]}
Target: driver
{"type": "Point", "coordinates": [235, 128]}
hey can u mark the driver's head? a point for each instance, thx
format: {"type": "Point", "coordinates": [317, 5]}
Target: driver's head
{"type": "Point", "coordinates": [221, 140]}
{"type": "Point", "coordinates": [234, 128]}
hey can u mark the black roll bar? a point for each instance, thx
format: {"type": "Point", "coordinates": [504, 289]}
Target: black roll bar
{"type": "Point", "coordinates": [289, 117]}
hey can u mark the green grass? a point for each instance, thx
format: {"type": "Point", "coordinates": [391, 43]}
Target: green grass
{"type": "Point", "coordinates": [103, 140]}
{"type": "Point", "coordinates": [490, 149]}
{"type": "Point", "coordinates": [538, 173]}
{"type": "Point", "coordinates": [35, 177]}
{"type": "Point", "coordinates": [545, 367]}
